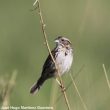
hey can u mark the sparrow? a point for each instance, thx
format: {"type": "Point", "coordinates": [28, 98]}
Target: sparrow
{"type": "Point", "coordinates": [63, 56]}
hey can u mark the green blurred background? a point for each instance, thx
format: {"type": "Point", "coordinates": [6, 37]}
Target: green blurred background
{"type": "Point", "coordinates": [85, 22]}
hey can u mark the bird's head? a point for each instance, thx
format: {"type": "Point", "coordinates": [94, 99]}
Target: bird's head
{"type": "Point", "coordinates": [63, 41]}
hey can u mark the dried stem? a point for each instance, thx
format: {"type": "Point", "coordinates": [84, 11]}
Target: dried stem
{"type": "Point", "coordinates": [47, 44]}
{"type": "Point", "coordinates": [82, 101]}
{"type": "Point", "coordinates": [9, 89]}
{"type": "Point", "coordinates": [105, 72]}
{"type": "Point", "coordinates": [76, 75]}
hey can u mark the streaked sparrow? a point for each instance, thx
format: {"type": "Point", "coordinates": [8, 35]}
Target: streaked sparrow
{"type": "Point", "coordinates": [63, 56]}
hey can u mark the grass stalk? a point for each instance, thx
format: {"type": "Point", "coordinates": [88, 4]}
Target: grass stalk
{"type": "Point", "coordinates": [106, 76]}
{"type": "Point", "coordinates": [48, 47]}
{"type": "Point", "coordinates": [8, 91]}
{"type": "Point", "coordinates": [82, 101]}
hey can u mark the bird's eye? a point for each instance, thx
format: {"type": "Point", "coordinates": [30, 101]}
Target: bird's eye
{"type": "Point", "coordinates": [62, 40]}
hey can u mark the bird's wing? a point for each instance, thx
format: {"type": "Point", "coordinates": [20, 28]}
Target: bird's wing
{"type": "Point", "coordinates": [49, 66]}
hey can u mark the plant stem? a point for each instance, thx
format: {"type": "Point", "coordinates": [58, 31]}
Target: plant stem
{"type": "Point", "coordinates": [47, 44]}
{"type": "Point", "coordinates": [105, 72]}
{"type": "Point", "coordinates": [82, 101]}
{"type": "Point", "coordinates": [6, 98]}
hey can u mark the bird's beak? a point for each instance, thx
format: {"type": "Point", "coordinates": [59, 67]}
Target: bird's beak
{"type": "Point", "coordinates": [56, 40]}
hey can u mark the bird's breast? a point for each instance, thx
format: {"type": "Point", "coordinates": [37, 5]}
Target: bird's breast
{"type": "Point", "coordinates": [64, 61]}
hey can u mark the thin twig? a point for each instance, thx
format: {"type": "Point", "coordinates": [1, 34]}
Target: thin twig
{"type": "Point", "coordinates": [47, 44]}
{"type": "Point", "coordinates": [59, 97]}
{"type": "Point", "coordinates": [82, 101]}
{"type": "Point", "coordinates": [105, 72]}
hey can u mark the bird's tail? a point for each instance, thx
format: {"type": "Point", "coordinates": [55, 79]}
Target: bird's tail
{"type": "Point", "coordinates": [37, 85]}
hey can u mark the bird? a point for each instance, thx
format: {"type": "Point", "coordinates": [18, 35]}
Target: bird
{"type": "Point", "coordinates": [63, 56]}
